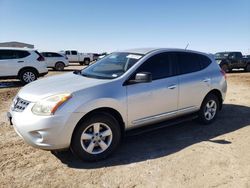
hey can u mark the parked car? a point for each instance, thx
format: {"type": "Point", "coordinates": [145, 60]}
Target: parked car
{"type": "Point", "coordinates": [55, 60]}
{"type": "Point", "coordinates": [24, 64]}
{"type": "Point", "coordinates": [102, 55]}
{"type": "Point", "coordinates": [232, 60]}
{"type": "Point", "coordinates": [76, 57]}
{"type": "Point", "coordinates": [90, 113]}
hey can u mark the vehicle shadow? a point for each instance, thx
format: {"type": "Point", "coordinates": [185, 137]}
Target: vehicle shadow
{"type": "Point", "coordinates": [168, 140]}
{"type": "Point", "coordinates": [10, 84]}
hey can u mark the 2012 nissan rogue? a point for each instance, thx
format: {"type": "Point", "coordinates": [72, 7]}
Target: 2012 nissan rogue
{"type": "Point", "coordinates": [89, 110]}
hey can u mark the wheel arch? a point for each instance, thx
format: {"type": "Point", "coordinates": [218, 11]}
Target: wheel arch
{"type": "Point", "coordinates": [217, 93]}
{"type": "Point", "coordinates": [60, 62]}
{"type": "Point", "coordinates": [27, 68]}
{"type": "Point", "coordinates": [106, 110]}
{"type": "Point", "coordinates": [86, 58]}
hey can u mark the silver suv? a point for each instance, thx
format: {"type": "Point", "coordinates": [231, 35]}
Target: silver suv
{"type": "Point", "coordinates": [89, 110]}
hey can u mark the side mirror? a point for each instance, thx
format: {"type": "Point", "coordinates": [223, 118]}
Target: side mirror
{"type": "Point", "coordinates": [142, 77]}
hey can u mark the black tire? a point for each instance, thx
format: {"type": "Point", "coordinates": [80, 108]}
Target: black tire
{"type": "Point", "coordinates": [203, 115]}
{"type": "Point", "coordinates": [81, 63]}
{"type": "Point", "coordinates": [28, 75]}
{"type": "Point", "coordinates": [248, 68]}
{"type": "Point", "coordinates": [78, 144]}
{"type": "Point", "coordinates": [225, 68]}
{"type": "Point", "coordinates": [86, 61]}
{"type": "Point", "coordinates": [59, 66]}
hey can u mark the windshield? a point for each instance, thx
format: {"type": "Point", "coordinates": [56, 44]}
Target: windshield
{"type": "Point", "coordinates": [111, 66]}
{"type": "Point", "coordinates": [221, 54]}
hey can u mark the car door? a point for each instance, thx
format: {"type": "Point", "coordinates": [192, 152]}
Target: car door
{"type": "Point", "coordinates": [50, 59]}
{"type": "Point", "coordinates": [194, 81]}
{"type": "Point", "coordinates": [8, 63]}
{"type": "Point", "coordinates": [74, 56]}
{"type": "Point", "coordinates": [157, 100]}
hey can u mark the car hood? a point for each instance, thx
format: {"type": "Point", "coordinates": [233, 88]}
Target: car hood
{"type": "Point", "coordinates": [65, 83]}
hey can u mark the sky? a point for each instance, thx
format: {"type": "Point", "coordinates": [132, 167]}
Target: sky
{"type": "Point", "coordinates": [106, 26]}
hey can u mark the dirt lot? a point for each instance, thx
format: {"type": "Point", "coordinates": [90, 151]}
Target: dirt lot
{"type": "Point", "coordinates": [184, 155]}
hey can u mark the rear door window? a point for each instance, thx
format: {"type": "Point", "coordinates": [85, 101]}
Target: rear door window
{"type": "Point", "coordinates": [21, 54]}
{"type": "Point", "coordinates": [56, 55]}
{"type": "Point", "coordinates": [73, 52]}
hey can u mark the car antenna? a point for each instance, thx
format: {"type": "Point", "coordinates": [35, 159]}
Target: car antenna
{"type": "Point", "coordinates": [187, 46]}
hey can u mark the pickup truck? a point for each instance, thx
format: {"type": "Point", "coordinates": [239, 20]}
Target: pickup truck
{"type": "Point", "coordinates": [232, 60]}
{"type": "Point", "coordinates": [76, 57]}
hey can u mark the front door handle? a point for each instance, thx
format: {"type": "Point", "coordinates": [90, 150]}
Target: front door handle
{"type": "Point", "coordinates": [172, 87]}
{"type": "Point", "coordinates": [20, 61]}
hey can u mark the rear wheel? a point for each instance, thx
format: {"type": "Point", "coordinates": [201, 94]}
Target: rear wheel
{"type": "Point", "coordinates": [248, 68]}
{"type": "Point", "coordinates": [59, 66]}
{"type": "Point", "coordinates": [27, 76]}
{"type": "Point", "coordinates": [209, 109]}
{"type": "Point", "coordinates": [96, 137]}
{"type": "Point", "coordinates": [86, 61]}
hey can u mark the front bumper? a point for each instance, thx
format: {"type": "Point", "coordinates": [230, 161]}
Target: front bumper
{"type": "Point", "coordinates": [44, 132]}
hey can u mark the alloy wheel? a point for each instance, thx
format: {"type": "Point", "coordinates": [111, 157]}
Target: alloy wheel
{"type": "Point", "coordinates": [210, 110]}
{"type": "Point", "coordinates": [96, 138]}
{"type": "Point", "coordinates": [29, 77]}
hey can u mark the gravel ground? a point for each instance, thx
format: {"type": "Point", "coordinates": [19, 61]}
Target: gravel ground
{"type": "Point", "coordinates": [184, 155]}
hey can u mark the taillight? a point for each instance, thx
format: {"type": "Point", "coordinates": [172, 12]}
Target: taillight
{"type": "Point", "coordinates": [40, 58]}
{"type": "Point", "coordinates": [223, 73]}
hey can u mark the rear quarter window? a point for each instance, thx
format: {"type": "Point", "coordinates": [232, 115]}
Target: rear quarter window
{"type": "Point", "coordinates": [192, 62]}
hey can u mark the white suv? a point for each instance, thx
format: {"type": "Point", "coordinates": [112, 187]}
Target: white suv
{"type": "Point", "coordinates": [55, 60]}
{"type": "Point", "coordinates": [24, 64]}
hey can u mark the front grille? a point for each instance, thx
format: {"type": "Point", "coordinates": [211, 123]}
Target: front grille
{"type": "Point", "coordinates": [19, 104]}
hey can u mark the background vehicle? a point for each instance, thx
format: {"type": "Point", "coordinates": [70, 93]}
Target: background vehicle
{"type": "Point", "coordinates": [55, 60]}
{"type": "Point", "coordinates": [232, 60]}
{"type": "Point", "coordinates": [76, 57]}
{"type": "Point", "coordinates": [24, 64]}
{"type": "Point", "coordinates": [171, 83]}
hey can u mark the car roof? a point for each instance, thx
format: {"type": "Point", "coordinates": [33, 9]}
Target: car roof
{"type": "Point", "coordinates": [11, 48]}
{"type": "Point", "coordinates": [145, 51]}
{"type": "Point", "coordinates": [228, 52]}
{"type": "Point", "coordinates": [51, 52]}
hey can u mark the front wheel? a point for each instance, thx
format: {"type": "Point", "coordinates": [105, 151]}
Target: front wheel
{"type": "Point", "coordinates": [96, 137]}
{"type": "Point", "coordinates": [209, 109]}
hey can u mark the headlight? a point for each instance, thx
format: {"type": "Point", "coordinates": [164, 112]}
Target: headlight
{"type": "Point", "coordinates": [49, 105]}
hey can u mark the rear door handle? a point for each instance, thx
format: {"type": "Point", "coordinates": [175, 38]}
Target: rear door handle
{"type": "Point", "coordinates": [20, 61]}
{"type": "Point", "coordinates": [172, 87]}
{"type": "Point", "coordinates": [206, 80]}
